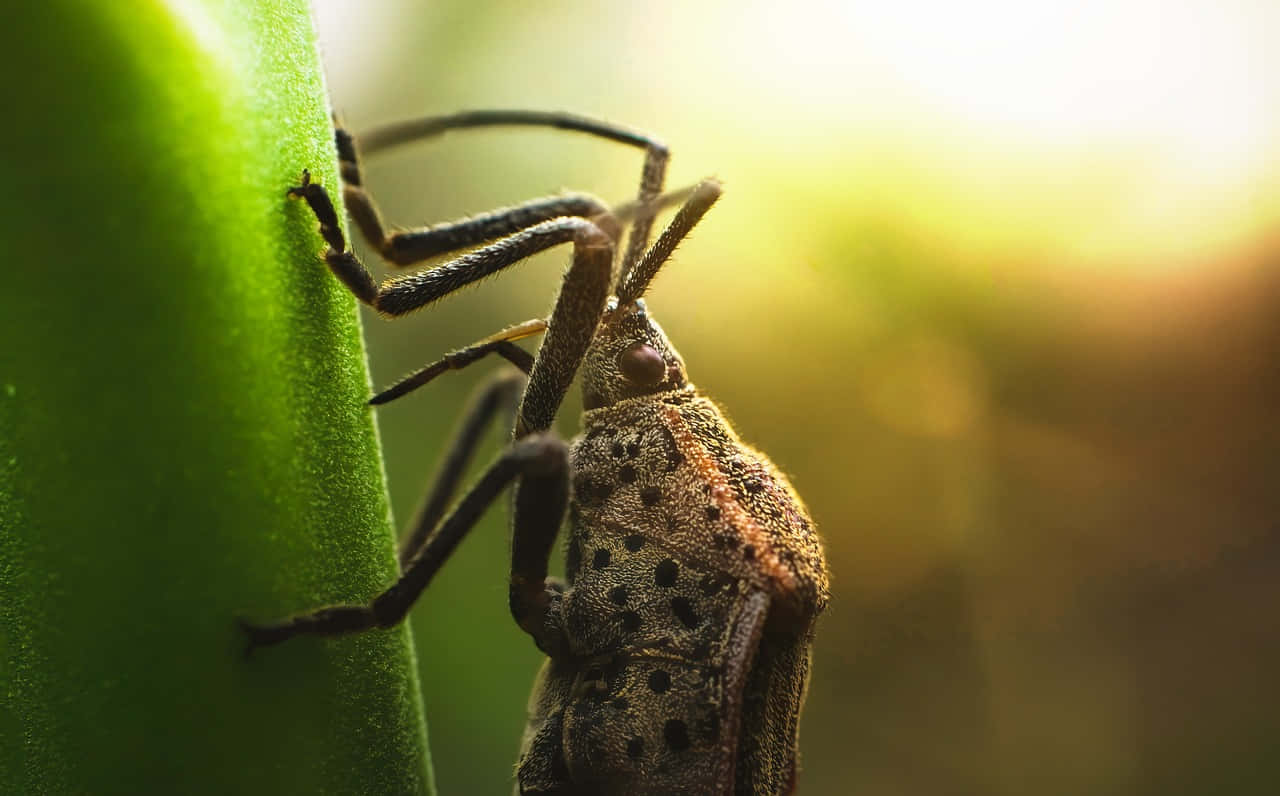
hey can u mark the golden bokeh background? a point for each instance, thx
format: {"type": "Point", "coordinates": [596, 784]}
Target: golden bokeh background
{"type": "Point", "coordinates": [995, 282]}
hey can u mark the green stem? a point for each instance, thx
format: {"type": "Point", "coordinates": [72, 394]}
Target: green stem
{"type": "Point", "coordinates": [183, 434]}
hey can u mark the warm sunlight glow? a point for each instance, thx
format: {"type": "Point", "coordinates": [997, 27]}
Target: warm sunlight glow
{"type": "Point", "coordinates": [1186, 76]}
{"type": "Point", "coordinates": [1168, 108]}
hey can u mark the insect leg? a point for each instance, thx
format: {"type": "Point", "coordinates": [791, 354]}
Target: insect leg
{"type": "Point", "coordinates": [414, 246]}
{"type": "Point", "coordinates": [541, 456]}
{"type": "Point", "coordinates": [541, 496]}
{"type": "Point", "coordinates": [538, 510]}
{"type": "Point", "coordinates": [498, 394]}
{"type": "Point", "coordinates": [569, 331]}
{"type": "Point", "coordinates": [499, 344]}
{"type": "Point", "coordinates": [652, 177]}
{"type": "Point", "coordinates": [403, 132]}
{"type": "Point", "coordinates": [409, 247]}
{"type": "Point", "coordinates": [400, 295]}
{"type": "Point", "coordinates": [348, 268]}
{"type": "Point", "coordinates": [538, 504]}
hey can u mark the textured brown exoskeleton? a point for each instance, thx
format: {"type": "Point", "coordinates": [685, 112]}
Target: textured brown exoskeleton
{"type": "Point", "coordinates": [678, 649]}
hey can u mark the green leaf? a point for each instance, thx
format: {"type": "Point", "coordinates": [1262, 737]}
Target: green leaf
{"type": "Point", "coordinates": [183, 433]}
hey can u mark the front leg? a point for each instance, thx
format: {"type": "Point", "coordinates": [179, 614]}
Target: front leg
{"type": "Point", "coordinates": [401, 295]}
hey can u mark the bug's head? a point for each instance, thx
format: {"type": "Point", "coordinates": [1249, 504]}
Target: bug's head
{"type": "Point", "coordinates": [629, 357]}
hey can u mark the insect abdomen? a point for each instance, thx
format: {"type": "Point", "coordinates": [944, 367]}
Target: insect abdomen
{"type": "Point", "coordinates": [675, 524]}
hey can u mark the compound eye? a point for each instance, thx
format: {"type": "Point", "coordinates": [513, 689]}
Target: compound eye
{"type": "Point", "coordinates": [642, 365]}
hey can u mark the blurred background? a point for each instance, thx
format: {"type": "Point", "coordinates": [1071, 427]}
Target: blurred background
{"type": "Point", "coordinates": [995, 282]}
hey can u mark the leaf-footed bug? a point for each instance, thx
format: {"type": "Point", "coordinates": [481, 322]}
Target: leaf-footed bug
{"type": "Point", "coordinates": [678, 648]}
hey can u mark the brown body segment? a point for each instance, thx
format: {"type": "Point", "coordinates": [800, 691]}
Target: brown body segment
{"type": "Point", "coordinates": [685, 545]}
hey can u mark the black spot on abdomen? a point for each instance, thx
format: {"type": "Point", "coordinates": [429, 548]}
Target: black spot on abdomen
{"type": "Point", "coordinates": [659, 681]}
{"type": "Point", "coordinates": [683, 609]}
{"type": "Point", "coordinates": [665, 573]}
{"type": "Point", "coordinates": [676, 735]}
{"type": "Point", "coordinates": [635, 748]}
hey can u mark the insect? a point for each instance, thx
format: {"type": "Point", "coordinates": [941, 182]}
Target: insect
{"type": "Point", "coordinates": [678, 645]}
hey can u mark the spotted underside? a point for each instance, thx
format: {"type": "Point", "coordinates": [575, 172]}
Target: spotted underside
{"type": "Point", "coordinates": [680, 538]}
